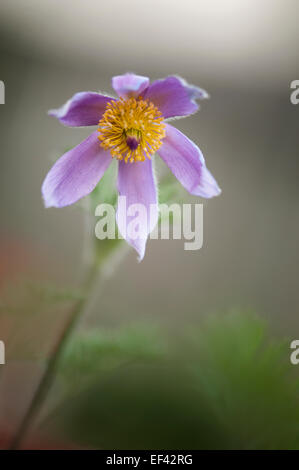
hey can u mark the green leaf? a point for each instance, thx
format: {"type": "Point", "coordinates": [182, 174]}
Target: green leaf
{"type": "Point", "coordinates": [225, 384]}
{"type": "Point", "coordinates": [105, 191]}
{"type": "Point", "coordinates": [91, 353]}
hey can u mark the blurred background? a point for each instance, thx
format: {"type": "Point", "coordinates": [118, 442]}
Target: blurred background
{"type": "Point", "coordinates": [245, 54]}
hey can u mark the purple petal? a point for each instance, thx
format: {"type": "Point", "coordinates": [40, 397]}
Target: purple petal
{"type": "Point", "coordinates": [136, 185]}
{"type": "Point", "coordinates": [129, 84]}
{"type": "Point", "coordinates": [186, 162]}
{"type": "Point", "coordinates": [83, 109]}
{"type": "Point", "coordinates": [194, 92]}
{"type": "Point", "coordinates": [174, 97]}
{"type": "Point", "coordinates": [76, 173]}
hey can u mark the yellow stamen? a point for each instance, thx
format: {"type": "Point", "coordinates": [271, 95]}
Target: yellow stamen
{"type": "Point", "coordinates": [131, 129]}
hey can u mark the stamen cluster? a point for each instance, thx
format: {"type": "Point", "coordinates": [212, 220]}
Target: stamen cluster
{"type": "Point", "coordinates": [131, 129]}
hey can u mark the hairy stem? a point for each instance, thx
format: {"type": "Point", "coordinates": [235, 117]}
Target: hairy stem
{"type": "Point", "coordinates": [50, 370]}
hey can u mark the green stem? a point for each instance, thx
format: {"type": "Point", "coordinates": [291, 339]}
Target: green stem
{"type": "Point", "coordinates": [50, 370]}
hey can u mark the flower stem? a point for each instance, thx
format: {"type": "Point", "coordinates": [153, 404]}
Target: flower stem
{"type": "Point", "coordinates": [50, 370]}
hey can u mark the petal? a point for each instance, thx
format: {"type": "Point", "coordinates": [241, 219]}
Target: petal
{"type": "Point", "coordinates": [83, 109]}
{"type": "Point", "coordinates": [186, 162]}
{"type": "Point", "coordinates": [194, 92]}
{"type": "Point", "coordinates": [136, 185]}
{"type": "Point", "coordinates": [129, 84]}
{"type": "Point", "coordinates": [76, 173]}
{"type": "Point", "coordinates": [174, 97]}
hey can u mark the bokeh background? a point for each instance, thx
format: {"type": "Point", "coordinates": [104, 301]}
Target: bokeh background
{"type": "Point", "coordinates": [245, 53]}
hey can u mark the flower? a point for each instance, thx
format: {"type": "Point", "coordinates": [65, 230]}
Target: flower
{"type": "Point", "coordinates": [131, 129]}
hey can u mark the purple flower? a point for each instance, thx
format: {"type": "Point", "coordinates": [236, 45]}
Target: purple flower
{"type": "Point", "coordinates": [131, 128]}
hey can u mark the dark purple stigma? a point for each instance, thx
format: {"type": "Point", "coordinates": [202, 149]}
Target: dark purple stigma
{"type": "Point", "coordinates": [132, 142]}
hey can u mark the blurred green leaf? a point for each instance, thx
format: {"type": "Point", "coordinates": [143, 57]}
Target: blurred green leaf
{"type": "Point", "coordinates": [90, 353]}
{"type": "Point", "coordinates": [169, 190]}
{"type": "Point", "coordinates": [105, 191]}
{"type": "Point", "coordinates": [105, 248]}
{"type": "Point", "coordinates": [226, 384]}
{"type": "Point", "coordinates": [247, 378]}
{"type": "Point", "coordinates": [33, 297]}
{"type": "Point", "coordinates": [30, 313]}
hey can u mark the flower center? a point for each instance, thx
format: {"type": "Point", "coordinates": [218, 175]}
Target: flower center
{"type": "Point", "coordinates": [131, 129]}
